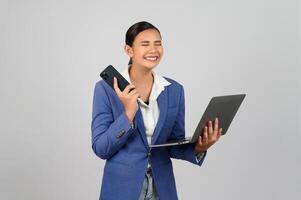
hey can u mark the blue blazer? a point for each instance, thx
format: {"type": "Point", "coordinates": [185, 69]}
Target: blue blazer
{"type": "Point", "coordinates": [126, 150]}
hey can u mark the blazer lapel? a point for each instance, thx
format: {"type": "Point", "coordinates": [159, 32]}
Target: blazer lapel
{"type": "Point", "coordinates": [140, 125]}
{"type": "Point", "coordinates": [163, 105]}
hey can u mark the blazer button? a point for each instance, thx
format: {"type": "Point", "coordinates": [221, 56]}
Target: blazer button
{"type": "Point", "coordinates": [121, 133]}
{"type": "Point", "coordinates": [149, 154]}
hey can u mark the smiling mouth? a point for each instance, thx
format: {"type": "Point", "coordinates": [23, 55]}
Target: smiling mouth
{"type": "Point", "coordinates": [151, 58]}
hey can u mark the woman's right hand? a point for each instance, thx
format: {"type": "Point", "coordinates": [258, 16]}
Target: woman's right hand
{"type": "Point", "coordinates": [128, 99]}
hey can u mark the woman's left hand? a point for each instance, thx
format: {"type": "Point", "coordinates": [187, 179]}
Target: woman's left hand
{"type": "Point", "coordinates": [210, 135]}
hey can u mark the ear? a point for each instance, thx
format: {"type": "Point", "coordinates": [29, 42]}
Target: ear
{"type": "Point", "coordinates": [128, 50]}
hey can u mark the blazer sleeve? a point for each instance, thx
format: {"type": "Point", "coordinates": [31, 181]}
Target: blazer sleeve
{"type": "Point", "coordinates": [186, 151]}
{"type": "Point", "coordinates": [108, 134]}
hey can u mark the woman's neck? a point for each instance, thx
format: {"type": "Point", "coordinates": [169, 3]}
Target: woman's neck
{"type": "Point", "coordinates": [140, 75]}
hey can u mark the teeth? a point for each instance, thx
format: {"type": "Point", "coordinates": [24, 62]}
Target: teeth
{"type": "Point", "coordinates": [151, 58]}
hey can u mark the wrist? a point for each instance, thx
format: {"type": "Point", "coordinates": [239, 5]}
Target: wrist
{"type": "Point", "coordinates": [130, 117]}
{"type": "Point", "coordinates": [198, 150]}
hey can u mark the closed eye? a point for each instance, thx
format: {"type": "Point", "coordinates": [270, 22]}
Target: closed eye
{"type": "Point", "coordinates": [147, 43]}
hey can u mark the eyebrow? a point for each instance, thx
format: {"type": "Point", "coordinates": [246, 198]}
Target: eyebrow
{"type": "Point", "coordinates": [157, 41]}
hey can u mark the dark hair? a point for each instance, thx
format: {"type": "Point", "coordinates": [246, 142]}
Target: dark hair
{"type": "Point", "coordinates": [135, 29]}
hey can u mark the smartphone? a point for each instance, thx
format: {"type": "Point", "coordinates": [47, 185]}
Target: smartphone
{"type": "Point", "coordinates": [108, 75]}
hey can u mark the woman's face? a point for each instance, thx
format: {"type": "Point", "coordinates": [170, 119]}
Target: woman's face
{"type": "Point", "coordinates": [147, 49]}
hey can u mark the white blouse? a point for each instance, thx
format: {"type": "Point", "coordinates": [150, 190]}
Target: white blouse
{"type": "Point", "coordinates": [150, 113]}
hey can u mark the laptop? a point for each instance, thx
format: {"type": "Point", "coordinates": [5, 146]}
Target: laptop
{"type": "Point", "coordinates": [222, 107]}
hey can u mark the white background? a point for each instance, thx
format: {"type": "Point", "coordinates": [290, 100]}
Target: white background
{"type": "Point", "coordinates": [51, 53]}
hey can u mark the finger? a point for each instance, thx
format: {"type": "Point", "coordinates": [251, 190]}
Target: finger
{"type": "Point", "coordinates": [136, 96]}
{"type": "Point", "coordinates": [205, 135]}
{"type": "Point", "coordinates": [216, 124]}
{"type": "Point", "coordinates": [216, 129]}
{"type": "Point", "coordinates": [210, 128]}
{"type": "Point", "coordinates": [128, 88]}
{"type": "Point", "coordinates": [116, 88]}
{"type": "Point", "coordinates": [219, 133]}
{"type": "Point", "coordinates": [131, 89]}
{"type": "Point", "coordinates": [200, 143]}
{"type": "Point", "coordinates": [133, 92]}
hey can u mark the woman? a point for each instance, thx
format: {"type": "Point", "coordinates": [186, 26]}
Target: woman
{"type": "Point", "coordinates": [148, 111]}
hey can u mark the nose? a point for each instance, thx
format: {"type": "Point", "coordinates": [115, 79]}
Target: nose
{"type": "Point", "coordinates": [153, 48]}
